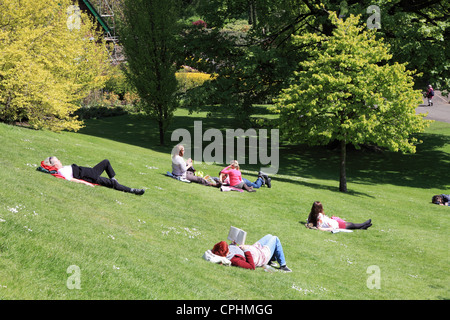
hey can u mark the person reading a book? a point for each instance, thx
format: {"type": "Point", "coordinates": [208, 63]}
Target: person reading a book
{"type": "Point", "coordinates": [235, 177]}
{"type": "Point", "coordinates": [318, 219]}
{"type": "Point", "coordinates": [182, 168]}
{"type": "Point", "coordinates": [261, 253]}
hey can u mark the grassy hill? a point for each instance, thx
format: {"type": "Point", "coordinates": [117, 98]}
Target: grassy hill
{"type": "Point", "coordinates": [151, 246]}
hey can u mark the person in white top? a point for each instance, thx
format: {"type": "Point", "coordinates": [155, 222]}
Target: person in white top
{"type": "Point", "coordinates": [180, 168]}
{"type": "Point", "coordinates": [90, 176]}
{"type": "Point", "coordinates": [319, 220]}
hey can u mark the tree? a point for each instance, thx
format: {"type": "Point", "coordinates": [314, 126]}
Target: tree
{"type": "Point", "coordinates": [148, 35]}
{"type": "Point", "coordinates": [417, 32]}
{"type": "Point", "coordinates": [347, 91]}
{"type": "Point", "coordinates": [50, 58]}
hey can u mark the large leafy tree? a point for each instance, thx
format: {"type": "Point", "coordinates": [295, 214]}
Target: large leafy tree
{"type": "Point", "coordinates": [251, 67]}
{"type": "Point", "coordinates": [348, 91]}
{"type": "Point", "coordinates": [50, 58]}
{"type": "Point", "coordinates": [148, 33]}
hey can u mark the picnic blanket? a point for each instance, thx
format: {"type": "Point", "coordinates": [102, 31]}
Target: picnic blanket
{"type": "Point", "coordinates": [222, 188]}
{"type": "Point", "coordinates": [309, 226]}
{"type": "Point", "coordinates": [227, 188]}
{"type": "Point", "coordinates": [169, 174]}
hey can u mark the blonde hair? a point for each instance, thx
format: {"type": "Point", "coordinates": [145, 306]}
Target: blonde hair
{"type": "Point", "coordinates": [235, 164]}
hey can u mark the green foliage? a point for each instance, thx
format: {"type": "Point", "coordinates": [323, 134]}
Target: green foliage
{"type": "Point", "coordinates": [417, 34]}
{"type": "Point", "coordinates": [148, 34]}
{"type": "Point", "coordinates": [347, 91]}
{"type": "Point", "coordinates": [245, 74]}
{"type": "Point", "coordinates": [45, 68]}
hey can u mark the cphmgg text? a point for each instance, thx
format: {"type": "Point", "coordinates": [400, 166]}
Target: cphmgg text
{"type": "Point", "coordinates": [226, 309]}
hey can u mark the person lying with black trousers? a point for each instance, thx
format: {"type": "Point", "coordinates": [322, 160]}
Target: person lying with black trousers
{"type": "Point", "coordinates": [88, 176]}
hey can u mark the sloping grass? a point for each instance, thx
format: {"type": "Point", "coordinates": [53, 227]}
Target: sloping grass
{"type": "Point", "coordinates": [151, 246]}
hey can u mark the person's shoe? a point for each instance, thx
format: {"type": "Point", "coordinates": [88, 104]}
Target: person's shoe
{"type": "Point", "coordinates": [285, 269]}
{"type": "Point", "coordinates": [272, 263]}
{"type": "Point", "coordinates": [138, 192]}
{"type": "Point", "coordinates": [265, 178]}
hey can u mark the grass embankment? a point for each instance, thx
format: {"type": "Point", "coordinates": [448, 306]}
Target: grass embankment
{"type": "Point", "coordinates": [151, 246]}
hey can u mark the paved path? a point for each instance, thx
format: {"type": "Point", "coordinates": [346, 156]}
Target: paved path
{"type": "Point", "coordinates": [440, 111]}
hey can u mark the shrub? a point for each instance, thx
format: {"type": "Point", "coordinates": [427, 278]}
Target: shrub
{"type": "Point", "coordinates": [190, 80]}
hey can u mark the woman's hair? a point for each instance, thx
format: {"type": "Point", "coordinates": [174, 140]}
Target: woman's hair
{"type": "Point", "coordinates": [314, 214]}
{"type": "Point", "coordinates": [437, 199]}
{"type": "Point", "coordinates": [220, 249]}
{"type": "Point", "coordinates": [176, 150]}
{"type": "Point", "coordinates": [235, 163]}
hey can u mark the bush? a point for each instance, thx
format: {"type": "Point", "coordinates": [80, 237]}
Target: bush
{"type": "Point", "coordinates": [189, 80]}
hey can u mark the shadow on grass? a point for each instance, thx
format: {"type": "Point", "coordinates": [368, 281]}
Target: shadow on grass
{"type": "Point", "coordinates": [424, 169]}
{"type": "Point", "coordinates": [427, 168]}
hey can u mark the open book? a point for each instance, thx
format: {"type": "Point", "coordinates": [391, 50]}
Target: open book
{"type": "Point", "coordinates": [237, 235]}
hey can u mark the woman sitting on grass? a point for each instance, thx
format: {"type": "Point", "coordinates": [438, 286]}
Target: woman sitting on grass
{"type": "Point", "coordinates": [181, 168]}
{"type": "Point", "coordinates": [88, 176]}
{"type": "Point", "coordinates": [235, 176]}
{"type": "Point", "coordinates": [251, 256]}
{"type": "Point", "coordinates": [441, 199]}
{"type": "Point", "coordinates": [317, 219]}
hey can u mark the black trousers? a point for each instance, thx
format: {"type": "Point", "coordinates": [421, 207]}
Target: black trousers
{"type": "Point", "coordinates": [93, 175]}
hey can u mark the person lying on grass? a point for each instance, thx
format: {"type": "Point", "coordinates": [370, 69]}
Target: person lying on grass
{"type": "Point", "coordinates": [263, 252]}
{"type": "Point", "coordinates": [88, 176]}
{"type": "Point", "coordinates": [318, 219]}
{"type": "Point", "coordinates": [441, 199]}
{"type": "Point", "coordinates": [263, 179]}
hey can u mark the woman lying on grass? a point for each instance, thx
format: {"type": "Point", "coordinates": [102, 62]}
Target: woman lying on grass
{"type": "Point", "coordinates": [317, 219]}
{"type": "Point", "coordinates": [259, 254]}
{"type": "Point", "coordinates": [88, 176]}
{"type": "Point", "coordinates": [441, 199]}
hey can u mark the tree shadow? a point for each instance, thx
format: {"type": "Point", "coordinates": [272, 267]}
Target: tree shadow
{"type": "Point", "coordinates": [299, 163]}
{"type": "Point", "coordinates": [142, 131]}
{"type": "Point", "coordinates": [427, 168]}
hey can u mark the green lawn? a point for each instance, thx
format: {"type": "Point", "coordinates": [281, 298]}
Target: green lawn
{"type": "Point", "coordinates": [151, 246]}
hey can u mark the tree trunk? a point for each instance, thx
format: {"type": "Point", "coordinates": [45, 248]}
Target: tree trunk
{"type": "Point", "coordinates": [252, 12]}
{"type": "Point", "coordinates": [161, 132]}
{"type": "Point", "coordinates": [343, 175]}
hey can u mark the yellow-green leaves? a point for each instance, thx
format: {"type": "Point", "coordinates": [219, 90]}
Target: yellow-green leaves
{"type": "Point", "coordinates": [45, 68]}
{"type": "Point", "coordinates": [348, 90]}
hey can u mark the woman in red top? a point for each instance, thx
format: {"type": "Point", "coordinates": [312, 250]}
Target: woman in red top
{"type": "Point", "coordinates": [260, 254]}
{"type": "Point", "coordinates": [237, 256]}
{"type": "Point", "coordinates": [236, 177]}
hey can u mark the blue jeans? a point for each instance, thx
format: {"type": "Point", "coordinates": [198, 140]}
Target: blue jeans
{"type": "Point", "coordinates": [256, 184]}
{"type": "Point", "coordinates": [275, 247]}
